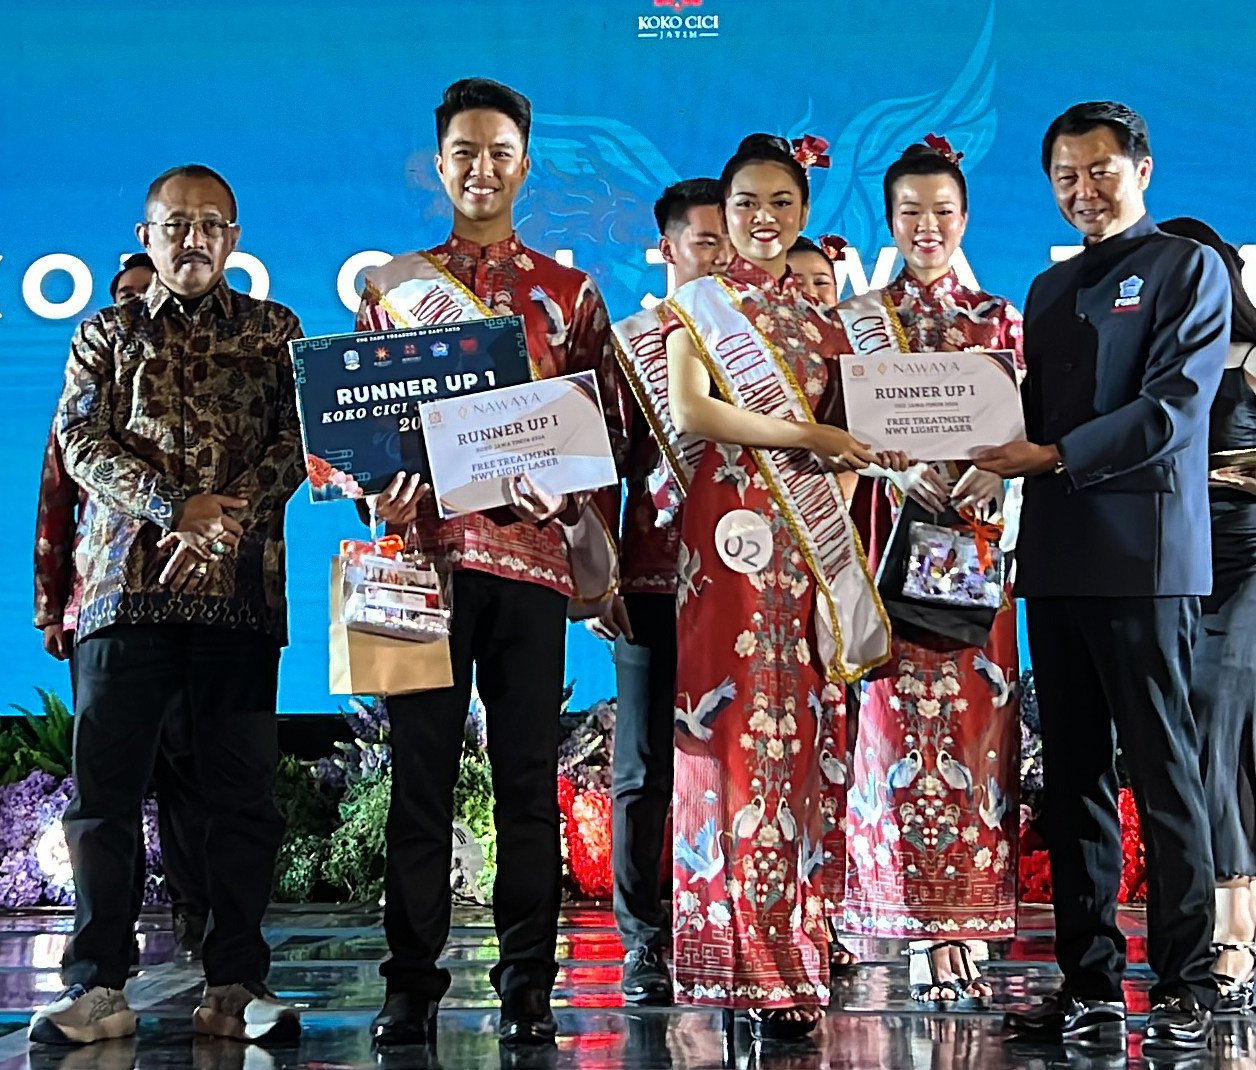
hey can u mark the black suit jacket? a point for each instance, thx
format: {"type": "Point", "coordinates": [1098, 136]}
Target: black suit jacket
{"type": "Point", "coordinates": [1124, 348]}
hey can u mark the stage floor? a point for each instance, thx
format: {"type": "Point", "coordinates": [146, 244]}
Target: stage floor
{"type": "Point", "coordinates": [325, 962]}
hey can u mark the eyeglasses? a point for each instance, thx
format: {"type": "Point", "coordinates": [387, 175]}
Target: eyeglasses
{"type": "Point", "coordinates": [178, 229]}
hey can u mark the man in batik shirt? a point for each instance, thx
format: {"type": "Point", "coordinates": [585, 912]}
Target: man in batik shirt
{"type": "Point", "coordinates": [58, 590]}
{"type": "Point", "coordinates": [178, 418]}
{"type": "Point", "coordinates": [642, 622]}
{"type": "Point", "coordinates": [512, 581]}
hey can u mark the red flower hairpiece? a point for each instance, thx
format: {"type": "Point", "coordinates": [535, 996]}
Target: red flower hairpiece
{"type": "Point", "coordinates": [809, 151]}
{"type": "Point", "coordinates": [833, 246]}
{"type": "Point", "coordinates": [943, 148]}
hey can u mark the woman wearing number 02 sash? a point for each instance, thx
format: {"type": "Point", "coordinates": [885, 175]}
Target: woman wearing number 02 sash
{"type": "Point", "coordinates": [933, 816]}
{"type": "Point", "coordinates": [776, 610]}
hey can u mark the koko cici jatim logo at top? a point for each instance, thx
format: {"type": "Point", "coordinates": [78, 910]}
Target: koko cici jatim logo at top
{"type": "Point", "coordinates": [678, 23]}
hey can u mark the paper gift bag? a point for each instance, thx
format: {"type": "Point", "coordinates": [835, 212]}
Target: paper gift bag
{"type": "Point", "coordinates": [367, 664]}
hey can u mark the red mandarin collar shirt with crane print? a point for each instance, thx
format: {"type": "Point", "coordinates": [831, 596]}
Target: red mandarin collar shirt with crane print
{"type": "Point", "coordinates": [567, 331]}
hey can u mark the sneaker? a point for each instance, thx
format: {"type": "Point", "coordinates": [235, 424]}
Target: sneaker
{"type": "Point", "coordinates": [646, 980]}
{"type": "Point", "coordinates": [83, 1016]}
{"type": "Point", "coordinates": [189, 934]}
{"type": "Point", "coordinates": [245, 1011]}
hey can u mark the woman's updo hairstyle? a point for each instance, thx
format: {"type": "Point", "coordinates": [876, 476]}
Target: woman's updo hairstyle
{"type": "Point", "coordinates": [922, 159]}
{"type": "Point", "coordinates": [764, 148]}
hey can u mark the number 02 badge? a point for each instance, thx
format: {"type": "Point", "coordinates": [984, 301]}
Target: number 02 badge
{"type": "Point", "coordinates": [743, 540]}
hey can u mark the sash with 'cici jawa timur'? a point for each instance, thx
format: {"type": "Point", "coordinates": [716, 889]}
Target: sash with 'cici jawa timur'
{"type": "Point", "coordinates": [853, 631]}
{"type": "Point", "coordinates": [872, 324]}
{"type": "Point", "coordinates": [416, 290]}
{"type": "Point", "coordinates": [641, 351]}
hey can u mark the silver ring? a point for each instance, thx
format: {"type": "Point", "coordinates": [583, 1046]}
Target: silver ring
{"type": "Point", "coordinates": [218, 547]}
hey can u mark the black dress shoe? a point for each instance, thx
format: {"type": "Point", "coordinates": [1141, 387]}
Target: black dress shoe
{"type": "Point", "coordinates": [1064, 1019]}
{"type": "Point", "coordinates": [526, 1018]}
{"type": "Point", "coordinates": [405, 1019]}
{"type": "Point", "coordinates": [1178, 1023]}
{"type": "Point", "coordinates": [646, 981]}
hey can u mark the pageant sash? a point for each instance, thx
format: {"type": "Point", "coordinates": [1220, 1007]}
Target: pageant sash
{"type": "Point", "coordinates": [872, 324]}
{"type": "Point", "coordinates": [416, 290]}
{"type": "Point", "coordinates": [852, 627]}
{"type": "Point", "coordinates": [642, 354]}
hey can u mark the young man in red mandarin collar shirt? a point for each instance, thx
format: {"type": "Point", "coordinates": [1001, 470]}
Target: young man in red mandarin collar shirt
{"type": "Point", "coordinates": [511, 585]}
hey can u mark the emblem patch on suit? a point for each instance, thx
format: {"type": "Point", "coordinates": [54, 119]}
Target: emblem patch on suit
{"type": "Point", "coordinates": [1128, 294]}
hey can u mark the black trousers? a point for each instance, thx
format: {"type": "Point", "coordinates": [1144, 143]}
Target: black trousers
{"type": "Point", "coordinates": [1112, 670]}
{"type": "Point", "coordinates": [180, 816]}
{"type": "Point", "coordinates": [641, 768]}
{"type": "Point", "coordinates": [514, 636]}
{"type": "Point", "coordinates": [132, 678]}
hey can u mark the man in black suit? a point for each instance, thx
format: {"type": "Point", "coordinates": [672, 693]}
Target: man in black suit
{"type": "Point", "coordinates": [1124, 345]}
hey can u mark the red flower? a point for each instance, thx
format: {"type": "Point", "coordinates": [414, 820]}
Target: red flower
{"type": "Point", "coordinates": [943, 148]}
{"type": "Point", "coordinates": [809, 151]}
{"type": "Point", "coordinates": [833, 246]}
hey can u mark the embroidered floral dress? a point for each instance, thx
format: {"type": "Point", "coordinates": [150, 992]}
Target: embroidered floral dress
{"type": "Point", "coordinates": [759, 732]}
{"type": "Point", "coordinates": [933, 806]}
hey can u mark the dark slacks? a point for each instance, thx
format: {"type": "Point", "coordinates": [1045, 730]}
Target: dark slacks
{"type": "Point", "coordinates": [131, 679]}
{"type": "Point", "coordinates": [1112, 670]}
{"type": "Point", "coordinates": [180, 816]}
{"type": "Point", "coordinates": [642, 764]}
{"type": "Point", "coordinates": [514, 636]}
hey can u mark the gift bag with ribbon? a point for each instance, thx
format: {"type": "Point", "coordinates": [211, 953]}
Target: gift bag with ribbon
{"type": "Point", "coordinates": [943, 573]}
{"type": "Point", "coordinates": [389, 630]}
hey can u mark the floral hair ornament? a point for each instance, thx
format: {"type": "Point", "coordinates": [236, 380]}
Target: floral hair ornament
{"type": "Point", "coordinates": [810, 151]}
{"type": "Point", "coordinates": [833, 246]}
{"type": "Point", "coordinates": [943, 148]}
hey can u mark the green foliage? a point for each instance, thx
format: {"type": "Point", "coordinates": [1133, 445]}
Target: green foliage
{"type": "Point", "coordinates": [299, 867]}
{"type": "Point", "coordinates": [310, 816]}
{"type": "Point", "coordinates": [308, 809]}
{"type": "Point", "coordinates": [45, 742]}
{"type": "Point", "coordinates": [355, 859]}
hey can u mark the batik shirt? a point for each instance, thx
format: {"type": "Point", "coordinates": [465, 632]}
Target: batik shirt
{"type": "Point", "coordinates": [567, 331]}
{"type": "Point", "coordinates": [160, 405]}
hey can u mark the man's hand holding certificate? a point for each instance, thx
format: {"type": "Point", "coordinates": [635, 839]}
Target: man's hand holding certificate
{"type": "Point", "coordinates": [549, 432]}
{"type": "Point", "coordinates": [933, 406]}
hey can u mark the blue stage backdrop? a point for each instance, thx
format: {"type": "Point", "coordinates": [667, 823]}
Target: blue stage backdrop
{"type": "Point", "coordinates": [320, 114]}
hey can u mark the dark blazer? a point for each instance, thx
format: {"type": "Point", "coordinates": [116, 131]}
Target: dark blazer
{"type": "Point", "coordinates": [1124, 348]}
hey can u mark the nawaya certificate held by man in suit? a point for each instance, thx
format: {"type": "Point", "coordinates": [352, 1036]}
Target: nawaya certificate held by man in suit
{"type": "Point", "coordinates": [550, 432]}
{"type": "Point", "coordinates": [933, 406]}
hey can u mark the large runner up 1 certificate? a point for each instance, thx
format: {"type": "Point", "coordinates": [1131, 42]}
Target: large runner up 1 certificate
{"type": "Point", "coordinates": [933, 406]}
{"type": "Point", "coordinates": [359, 395]}
{"type": "Point", "coordinates": [550, 430]}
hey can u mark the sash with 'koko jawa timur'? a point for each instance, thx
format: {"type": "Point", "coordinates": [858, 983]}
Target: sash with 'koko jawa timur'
{"type": "Point", "coordinates": [852, 628]}
{"type": "Point", "coordinates": [642, 354]}
{"type": "Point", "coordinates": [417, 290]}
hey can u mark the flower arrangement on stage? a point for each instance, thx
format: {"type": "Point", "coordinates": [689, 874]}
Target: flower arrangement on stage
{"type": "Point", "coordinates": [335, 811]}
{"type": "Point", "coordinates": [1035, 865]}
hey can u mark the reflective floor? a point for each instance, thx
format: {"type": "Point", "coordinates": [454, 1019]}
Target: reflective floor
{"type": "Point", "coordinates": [325, 962]}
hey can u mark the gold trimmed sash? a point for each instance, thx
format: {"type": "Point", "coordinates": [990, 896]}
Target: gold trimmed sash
{"type": "Point", "coordinates": [873, 324]}
{"type": "Point", "coordinates": [642, 355]}
{"type": "Point", "coordinates": [852, 627]}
